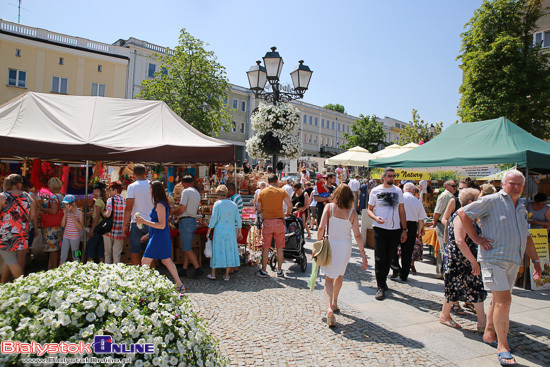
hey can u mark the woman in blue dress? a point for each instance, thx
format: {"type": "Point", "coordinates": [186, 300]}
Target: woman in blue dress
{"type": "Point", "coordinates": [227, 221]}
{"type": "Point", "coordinates": [160, 243]}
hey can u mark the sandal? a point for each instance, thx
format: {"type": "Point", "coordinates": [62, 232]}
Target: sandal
{"type": "Point", "coordinates": [181, 289]}
{"type": "Point", "coordinates": [335, 308]}
{"type": "Point", "coordinates": [226, 279]}
{"type": "Point", "coordinates": [469, 306]}
{"type": "Point", "coordinates": [413, 269]}
{"type": "Point", "coordinates": [210, 276]}
{"type": "Point", "coordinates": [457, 310]}
{"type": "Point", "coordinates": [331, 320]}
{"type": "Point", "coordinates": [506, 355]}
{"type": "Point", "coordinates": [451, 323]}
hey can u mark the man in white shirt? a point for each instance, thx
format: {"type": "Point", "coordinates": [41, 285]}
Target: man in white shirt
{"type": "Point", "coordinates": [390, 226]}
{"type": "Point", "coordinates": [354, 185]}
{"type": "Point", "coordinates": [187, 224]}
{"type": "Point", "coordinates": [138, 200]}
{"type": "Point", "coordinates": [415, 213]}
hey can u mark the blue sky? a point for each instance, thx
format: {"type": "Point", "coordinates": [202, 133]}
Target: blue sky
{"type": "Point", "coordinates": [373, 57]}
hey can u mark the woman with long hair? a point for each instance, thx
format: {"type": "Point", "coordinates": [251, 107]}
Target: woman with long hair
{"type": "Point", "coordinates": [160, 243]}
{"type": "Point", "coordinates": [52, 235]}
{"type": "Point", "coordinates": [341, 219]}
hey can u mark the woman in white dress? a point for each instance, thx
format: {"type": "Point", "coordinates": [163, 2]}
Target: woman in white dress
{"type": "Point", "coordinates": [341, 219]}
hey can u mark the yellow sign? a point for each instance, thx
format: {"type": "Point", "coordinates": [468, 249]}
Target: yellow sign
{"type": "Point", "coordinates": [540, 238]}
{"type": "Point", "coordinates": [402, 174]}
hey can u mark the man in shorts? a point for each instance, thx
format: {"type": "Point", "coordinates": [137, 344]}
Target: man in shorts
{"type": "Point", "coordinates": [270, 204]}
{"type": "Point", "coordinates": [187, 224]}
{"type": "Point", "coordinates": [505, 239]}
{"type": "Point", "coordinates": [138, 200]}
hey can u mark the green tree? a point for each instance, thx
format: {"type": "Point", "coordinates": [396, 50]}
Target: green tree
{"type": "Point", "coordinates": [504, 74]}
{"type": "Point", "coordinates": [335, 107]}
{"type": "Point", "coordinates": [192, 83]}
{"type": "Point", "coordinates": [409, 134]}
{"type": "Point", "coordinates": [367, 133]}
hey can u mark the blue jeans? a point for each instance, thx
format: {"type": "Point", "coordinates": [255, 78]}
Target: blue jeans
{"type": "Point", "coordinates": [187, 228]}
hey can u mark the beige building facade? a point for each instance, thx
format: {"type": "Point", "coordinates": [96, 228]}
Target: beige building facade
{"type": "Point", "coordinates": [33, 59]}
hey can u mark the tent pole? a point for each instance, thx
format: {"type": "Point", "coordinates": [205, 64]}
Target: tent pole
{"type": "Point", "coordinates": [83, 255]}
{"type": "Point", "coordinates": [526, 271]}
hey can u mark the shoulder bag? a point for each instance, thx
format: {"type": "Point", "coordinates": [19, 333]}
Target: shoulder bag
{"type": "Point", "coordinates": [106, 225]}
{"type": "Point", "coordinates": [321, 249]}
{"type": "Point", "coordinates": [52, 220]}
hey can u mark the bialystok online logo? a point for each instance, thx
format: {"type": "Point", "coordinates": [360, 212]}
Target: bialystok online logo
{"type": "Point", "coordinates": [103, 344]}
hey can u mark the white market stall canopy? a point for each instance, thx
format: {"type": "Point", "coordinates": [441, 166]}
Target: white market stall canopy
{"type": "Point", "coordinates": [50, 126]}
{"type": "Point", "coordinates": [394, 150]}
{"type": "Point", "coordinates": [355, 156]}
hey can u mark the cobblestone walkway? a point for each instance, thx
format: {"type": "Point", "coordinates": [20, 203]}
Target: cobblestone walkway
{"type": "Point", "coordinates": [279, 322]}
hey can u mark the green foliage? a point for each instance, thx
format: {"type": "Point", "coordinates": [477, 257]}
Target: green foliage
{"type": "Point", "coordinates": [409, 133]}
{"type": "Point", "coordinates": [367, 133]}
{"type": "Point", "coordinates": [335, 107]}
{"type": "Point", "coordinates": [503, 74]}
{"type": "Point", "coordinates": [192, 84]}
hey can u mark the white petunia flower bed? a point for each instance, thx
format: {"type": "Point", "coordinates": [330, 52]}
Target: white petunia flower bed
{"type": "Point", "coordinates": [131, 304]}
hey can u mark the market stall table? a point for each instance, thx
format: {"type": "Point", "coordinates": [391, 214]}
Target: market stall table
{"type": "Point", "coordinates": [430, 238]}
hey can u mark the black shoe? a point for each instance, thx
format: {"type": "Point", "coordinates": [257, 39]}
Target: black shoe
{"type": "Point", "coordinates": [262, 274]}
{"type": "Point", "coordinates": [280, 274]}
{"type": "Point", "coordinates": [380, 295]}
{"type": "Point", "coordinates": [182, 272]}
{"type": "Point", "coordinates": [394, 275]}
{"type": "Point", "coordinates": [198, 272]}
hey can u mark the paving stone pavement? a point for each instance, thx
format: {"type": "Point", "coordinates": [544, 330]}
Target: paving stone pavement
{"type": "Point", "coordinates": [279, 322]}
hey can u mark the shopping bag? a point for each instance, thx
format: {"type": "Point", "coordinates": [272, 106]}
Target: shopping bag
{"type": "Point", "coordinates": [313, 277]}
{"type": "Point", "coordinates": [208, 248]}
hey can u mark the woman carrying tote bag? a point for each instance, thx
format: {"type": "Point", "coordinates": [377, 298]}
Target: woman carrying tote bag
{"type": "Point", "coordinates": [341, 219]}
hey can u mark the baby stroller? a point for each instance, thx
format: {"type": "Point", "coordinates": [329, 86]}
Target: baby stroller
{"type": "Point", "coordinates": [294, 244]}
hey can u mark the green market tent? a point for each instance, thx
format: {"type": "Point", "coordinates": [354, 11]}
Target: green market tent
{"type": "Point", "coordinates": [497, 141]}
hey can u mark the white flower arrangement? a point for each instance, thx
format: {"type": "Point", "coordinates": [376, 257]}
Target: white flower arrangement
{"type": "Point", "coordinates": [283, 122]}
{"type": "Point", "coordinates": [132, 304]}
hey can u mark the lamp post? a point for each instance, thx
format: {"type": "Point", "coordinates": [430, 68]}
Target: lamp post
{"type": "Point", "coordinates": [429, 135]}
{"type": "Point", "coordinates": [259, 76]}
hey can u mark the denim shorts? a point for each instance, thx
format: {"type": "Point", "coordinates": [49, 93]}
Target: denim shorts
{"type": "Point", "coordinates": [136, 246]}
{"type": "Point", "coordinates": [187, 227]}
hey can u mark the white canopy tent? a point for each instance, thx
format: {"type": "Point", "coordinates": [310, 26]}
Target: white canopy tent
{"type": "Point", "coordinates": [355, 156]}
{"type": "Point", "coordinates": [51, 126]}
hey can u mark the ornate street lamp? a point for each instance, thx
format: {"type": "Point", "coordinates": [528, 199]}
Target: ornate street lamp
{"type": "Point", "coordinates": [258, 76]}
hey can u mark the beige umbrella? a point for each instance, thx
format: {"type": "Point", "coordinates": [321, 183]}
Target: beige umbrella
{"type": "Point", "coordinates": [394, 150]}
{"type": "Point", "coordinates": [355, 156]}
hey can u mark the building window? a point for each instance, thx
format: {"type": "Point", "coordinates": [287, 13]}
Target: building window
{"type": "Point", "coordinates": [310, 136]}
{"type": "Point", "coordinates": [152, 69]}
{"type": "Point", "coordinates": [316, 121]}
{"type": "Point", "coordinates": [305, 119]}
{"type": "Point", "coordinates": [332, 125]}
{"type": "Point", "coordinates": [225, 101]}
{"type": "Point", "coordinates": [348, 129]}
{"type": "Point", "coordinates": [546, 39]}
{"type": "Point", "coordinates": [98, 90]}
{"type": "Point", "coordinates": [538, 39]}
{"type": "Point", "coordinates": [242, 127]}
{"type": "Point", "coordinates": [322, 122]}
{"type": "Point", "coordinates": [17, 78]}
{"type": "Point", "coordinates": [60, 61]}
{"type": "Point", "coordinates": [243, 106]}
{"type": "Point", "coordinates": [60, 85]}
{"type": "Point", "coordinates": [322, 140]}
{"type": "Point", "coordinates": [17, 52]}
{"type": "Point", "coordinates": [99, 68]}
{"type": "Point", "coordinates": [234, 126]}
{"type": "Point", "coordinates": [339, 127]}
{"type": "Point", "coordinates": [235, 103]}
{"type": "Point", "coordinates": [315, 139]}
{"type": "Point", "coordinates": [305, 138]}
{"type": "Point", "coordinates": [331, 142]}
{"type": "Point", "coordinates": [310, 120]}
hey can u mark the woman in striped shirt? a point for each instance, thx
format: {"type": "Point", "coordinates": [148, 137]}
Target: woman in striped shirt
{"type": "Point", "coordinates": [73, 222]}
